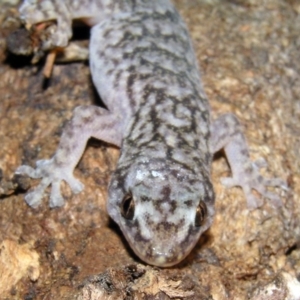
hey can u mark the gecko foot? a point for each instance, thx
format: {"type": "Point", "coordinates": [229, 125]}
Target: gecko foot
{"type": "Point", "coordinates": [52, 174]}
{"type": "Point", "coordinates": [248, 178]}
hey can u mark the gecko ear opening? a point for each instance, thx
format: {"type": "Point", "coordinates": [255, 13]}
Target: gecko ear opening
{"type": "Point", "coordinates": [201, 214]}
{"type": "Point", "coordinates": [128, 207]}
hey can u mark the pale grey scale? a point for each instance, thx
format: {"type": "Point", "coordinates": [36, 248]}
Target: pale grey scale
{"type": "Point", "coordinates": [163, 74]}
{"type": "Point", "coordinates": [82, 8]}
{"type": "Point", "coordinates": [187, 160]}
{"type": "Point", "coordinates": [48, 11]}
{"type": "Point", "coordinates": [167, 67]}
{"type": "Point", "coordinates": [134, 56]}
{"type": "Point", "coordinates": [158, 115]}
{"type": "Point", "coordinates": [122, 172]}
{"type": "Point", "coordinates": [163, 125]}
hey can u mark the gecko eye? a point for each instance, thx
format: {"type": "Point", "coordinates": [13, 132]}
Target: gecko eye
{"type": "Point", "coordinates": [201, 213]}
{"type": "Point", "coordinates": [127, 207]}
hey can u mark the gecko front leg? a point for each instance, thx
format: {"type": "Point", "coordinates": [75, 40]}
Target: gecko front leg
{"type": "Point", "coordinates": [226, 133]}
{"type": "Point", "coordinates": [34, 12]}
{"type": "Point", "coordinates": [87, 121]}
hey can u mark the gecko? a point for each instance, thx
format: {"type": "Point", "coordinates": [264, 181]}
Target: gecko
{"type": "Point", "coordinates": [145, 70]}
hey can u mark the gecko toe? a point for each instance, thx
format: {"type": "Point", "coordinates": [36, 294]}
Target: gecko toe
{"type": "Point", "coordinates": [33, 198]}
{"type": "Point", "coordinates": [27, 170]}
{"type": "Point", "coordinates": [260, 163]}
{"type": "Point", "coordinates": [75, 185]}
{"type": "Point", "coordinates": [253, 202]}
{"type": "Point", "coordinates": [228, 182]}
{"type": "Point", "coordinates": [56, 199]}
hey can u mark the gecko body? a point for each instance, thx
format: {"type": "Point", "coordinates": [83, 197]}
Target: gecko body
{"type": "Point", "coordinates": [145, 70]}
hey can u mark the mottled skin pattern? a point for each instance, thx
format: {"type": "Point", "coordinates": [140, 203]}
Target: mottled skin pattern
{"type": "Point", "coordinates": [145, 70]}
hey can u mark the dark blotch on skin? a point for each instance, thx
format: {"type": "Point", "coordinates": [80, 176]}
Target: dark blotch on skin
{"type": "Point", "coordinates": [188, 203]}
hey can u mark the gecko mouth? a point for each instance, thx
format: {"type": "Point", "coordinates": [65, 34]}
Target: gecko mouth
{"type": "Point", "coordinates": [162, 255]}
{"type": "Point", "coordinates": [166, 248]}
{"type": "Point", "coordinates": [163, 258]}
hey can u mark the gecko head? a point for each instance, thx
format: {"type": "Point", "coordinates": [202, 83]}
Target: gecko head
{"type": "Point", "coordinates": [161, 211]}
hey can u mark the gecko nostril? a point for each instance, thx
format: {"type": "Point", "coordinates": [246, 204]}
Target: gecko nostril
{"type": "Point", "coordinates": [128, 207]}
{"type": "Point", "coordinates": [201, 213]}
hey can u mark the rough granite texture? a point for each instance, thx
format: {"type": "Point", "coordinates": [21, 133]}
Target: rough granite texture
{"type": "Point", "coordinates": [250, 61]}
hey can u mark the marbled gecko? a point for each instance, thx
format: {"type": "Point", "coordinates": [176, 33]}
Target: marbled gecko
{"type": "Point", "coordinates": [145, 70]}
